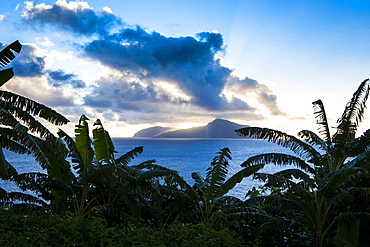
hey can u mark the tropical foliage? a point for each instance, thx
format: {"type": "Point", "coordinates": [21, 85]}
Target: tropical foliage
{"type": "Point", "coordinates": [213, 202]}
{"type": "Point", "coordinates": [331, 174]}
{"type": "Point", "coordinates": [88, 196]}
{"type": "Point", "coordinates": [20, 130]}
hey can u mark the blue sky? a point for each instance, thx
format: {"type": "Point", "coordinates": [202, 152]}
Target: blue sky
{"type": "Point", "coordinates": [136, 64]}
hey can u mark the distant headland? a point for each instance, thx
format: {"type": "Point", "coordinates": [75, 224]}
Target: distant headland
{"type": "Point", "coordinates": [218, 128]}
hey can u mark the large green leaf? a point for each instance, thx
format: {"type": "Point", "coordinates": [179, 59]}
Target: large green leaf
{"type": "Point", "coordinates": [216, 173]}
{"type": "Point", "coordinates": [126, 158]}
{"type": "Point", "coordinates": [103, 146]}
{"type": "Point", "coordinates": [237, 178]}
{"type": "Point", "coordinates": [73, 152]}
{"type": "Point", "coordinates": [199, 180]}
{"type": "Point", "coordinates": [339, 177]}
{"type": "Point", "coordinates": [83, 144]}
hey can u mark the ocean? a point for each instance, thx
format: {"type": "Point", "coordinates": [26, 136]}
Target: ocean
{"type": "Point", "coordinates": [183, 155]}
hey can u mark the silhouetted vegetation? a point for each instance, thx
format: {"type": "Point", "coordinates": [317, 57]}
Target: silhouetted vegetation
{"type": "Point", "coordinates": [86, 196]}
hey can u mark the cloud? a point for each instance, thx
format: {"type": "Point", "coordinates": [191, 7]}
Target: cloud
{"type": "Point", "coordinates": [123, 94]}
{"type": "Point", "coordinates": [39, 91]}
{"type": "Point", "coordinates": [29, 63]}
{"type": "Point", "coordinates": [74, 16]}
{"type": "Point", "coordinates": [187, 63]}
{"type": "Point", "coordinates": [59, 78]}
{"type": "Point", "coordinates": [261, 93]}
{"type": "Point", "coordinates": [142, 62]}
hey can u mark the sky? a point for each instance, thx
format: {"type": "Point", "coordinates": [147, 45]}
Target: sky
{"type": "Point", "coordinates": [138, 64]}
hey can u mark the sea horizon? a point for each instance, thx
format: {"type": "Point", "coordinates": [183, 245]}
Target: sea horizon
{"type": "Point", "coordinates": [185, 155]}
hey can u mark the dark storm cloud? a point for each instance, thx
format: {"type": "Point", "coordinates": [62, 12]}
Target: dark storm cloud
{"type": "Point", "coordinates": [28, 63]}
{"type": "Point", "coordinates": [76, 17]}
{"type": "Point", "coordinates": [188, 63]}
{"type": "Point", "coordinates": [59, 78]}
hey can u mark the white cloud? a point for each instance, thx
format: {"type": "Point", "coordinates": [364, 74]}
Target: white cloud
{"type": "Point", "coordinates": [107, 9]}
{"type": "Point", "coordinates": [44, 41]}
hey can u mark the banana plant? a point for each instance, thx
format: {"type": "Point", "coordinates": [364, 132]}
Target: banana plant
{"type": "Point", "coordinates": [20, 128]}
{"type": "Point", "coordinates": [21, 131]}
{"type": "Point", "coordinates": [108, 184]}
{"type": "Point", "coordinates": [330, 169]}
{"type": "Point", "coordinates": [212, 191]}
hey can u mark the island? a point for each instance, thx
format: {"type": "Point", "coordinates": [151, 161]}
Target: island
{"type": "Point", "coordinates": [218, 128]}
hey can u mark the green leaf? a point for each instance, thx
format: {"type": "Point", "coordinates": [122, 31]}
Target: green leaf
{"type": "Point", "coordinates": [103, 146]}
{"type": "Point", "coordinates": [126, 158]}
{"type": "Point", "coordinates": [237, 178]}
{"type": "Point", "coordinates": [216, 174]}
{"type": "Point", "coordinates": [199, 180]}
{"type": "Point", "coordinates": [83, 144]}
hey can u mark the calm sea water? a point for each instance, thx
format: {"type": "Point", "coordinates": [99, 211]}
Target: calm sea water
{"type": "Point", "coordinates": [183, 155]}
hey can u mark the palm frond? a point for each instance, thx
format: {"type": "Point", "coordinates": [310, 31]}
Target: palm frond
{"type": "Point", "coordinates": [280, 138]}
{"type": "Point", "coordinates": [126, 158]}
{"type": "Point", "coordinates": [276, 201]}
{"type": "Point", "coordinates": [237, 178]}
{"type": "Point", "coordinates": [7, 171]}
{"type": "Point", "coordinates": [20, 135]}
{"type": "Point", "coordinates": [9, 141]}
{"type": "Point", "coordinates": [322, 121]}
{"type": "Point", "coordinates": [6, 54]}
{"type": "Point", "coordinates": [347, 196]}
{"type": "Point", "coordinates": [362, 160]}
{"type": "Point", "coordinates": [9, 115]}
{"type": "Point", "coordinates": [73, 152]}
{"type": "Point", "coordinates": [33, 108]}
{"type": "Point", "coordinates": [278, 159]}
{"type": "Point", "coordinates": [199, 180]}
{"type": "Point", "coordinates": [343, 176]}
{"type": "Point", "coordinates": [352, 115]}
{"type": "Point", "coordinates": [12, 197]}
{"type": "Point", "coordinates": [178, 195]}
{"type": "Point", "coordinates": [314, 139]}
{"type": "Point", "coordinates": [298, 175]}
{"type": "Point", "coordinates": [216, 173]}
{"type": "Point", "coordinates": [360, 144]}
{"type": "Point", "coordinates": [6, 75]}
{"type": "Point", "coordinates": [40, 183]}
{"type": "Point", "coordinates": [275, 180]}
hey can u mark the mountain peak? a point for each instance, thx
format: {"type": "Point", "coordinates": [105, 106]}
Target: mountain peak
{"type": "Point", "coordinates": [218, 128]}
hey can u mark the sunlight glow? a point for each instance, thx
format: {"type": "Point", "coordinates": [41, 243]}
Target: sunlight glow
{"type": "Point", "coordinates": [173, 90]}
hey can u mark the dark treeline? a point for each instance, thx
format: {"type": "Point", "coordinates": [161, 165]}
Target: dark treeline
{"type": "Point", "coordinates": [89, 195]}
